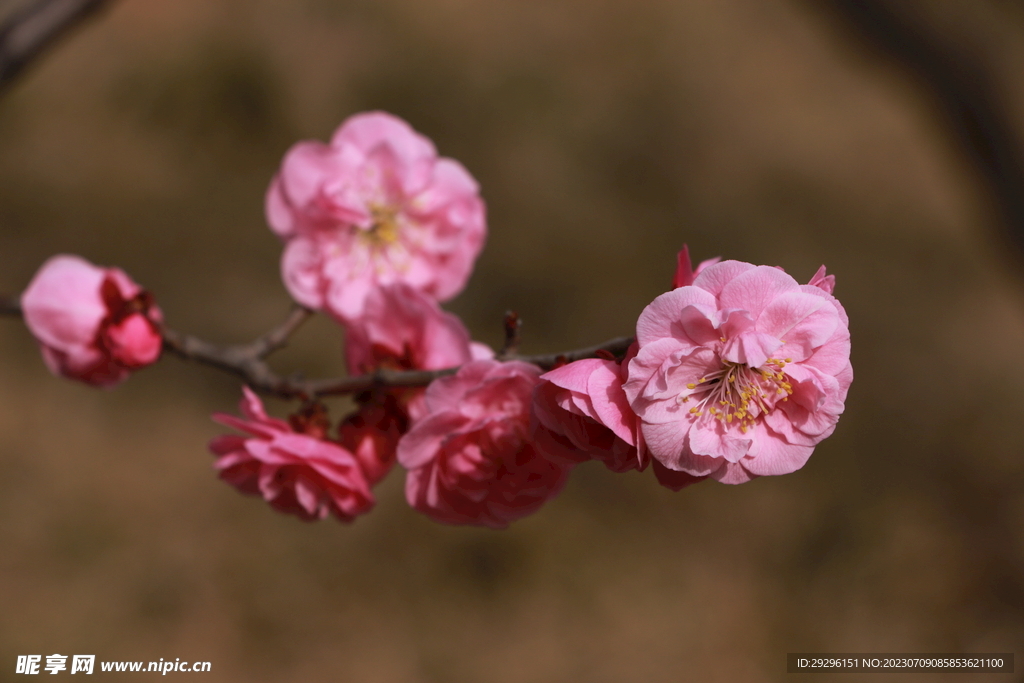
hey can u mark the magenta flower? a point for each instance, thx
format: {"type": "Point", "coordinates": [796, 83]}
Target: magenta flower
{"type": "Point", "coordinates": [293, 467]}
{"type": "Point", "coordinates": [471, 459]}
{"type": "Point", "coordinates": [374, 207]}
{"type": "Point", "coordinates": [581, 413]}
{"type": "Point", "coordinates": [93, 324]}
{"type": "Point", "coordinates": [740, 374]}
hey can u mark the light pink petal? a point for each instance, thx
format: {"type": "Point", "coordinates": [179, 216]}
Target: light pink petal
{"type": "Point", "coordinates": [804, 322]}
{"type": "Point", "coordinates": [413, 154]}
{"type": "Point", "coordinates": [732, 473]}
{"type": "Point", "coordinates": [771, 455]}
{"type": "Point", "coordinates": [610, 402]}
{"type": "Point", "coordinates": [303, 172]}
{"type": "Point", "coordinates": [280, 213]}
{"type": "Point", "coordinates": [833, 356]}
{"type": "Point", "coordinates": [62, 305]}
{"type": "Point", "coordinates": [715, 277]}
{"type": "Point", "coordinates": [444, 344]}
{"type": "Point", "coordinates": [451, 183]}
{"type": "Point", "coordinates": [301, 270]}
{"type": "Point", "coordinates": [575, 376]}
{"type": "Point", "coordinates": [345, 298]}
{"type": "Point", "coordinates": [815, 291]}
{"type": "Point", "coordinates": [646, 366]}
{"type": "Point", "coordinates": [420, 444]}
{"type": "Point", "coordinates": [824, 282]}
{"type": "Point", "coordinates": [367, 130]}
{"type": "Point", "coordinates": [754, 289]}
{"type": "Point", "coordinates": [305, 493]}
{"type": "Point", "coordinates": [662, 399]}
{"type": "Point", "coordinates": [663, 317]}
{"type": "Point", "coordinates": [709, 438]}
{"type": "Point", "coordinates": [667, 442]}
{"type": "Point", "coordinates": [480, 351]}
{"type": "Point", "coordinates": [750, 348]}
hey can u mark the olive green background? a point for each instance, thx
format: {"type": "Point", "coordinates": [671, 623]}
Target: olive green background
{"type": "Point", "coordinates": [604, 134]}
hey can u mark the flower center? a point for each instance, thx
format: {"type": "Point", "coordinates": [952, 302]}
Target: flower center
{"type": "Point", "coordinates": [737, 394]}
{"type": "Point", "coordinates": [384, 231]}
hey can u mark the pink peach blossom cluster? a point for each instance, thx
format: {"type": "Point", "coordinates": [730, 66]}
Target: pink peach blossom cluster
{"type": "Point", "coordinates": [737, 372]}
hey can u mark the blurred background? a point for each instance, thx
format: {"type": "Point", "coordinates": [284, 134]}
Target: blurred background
{"type": "Point", "coordinates": [604, 134]}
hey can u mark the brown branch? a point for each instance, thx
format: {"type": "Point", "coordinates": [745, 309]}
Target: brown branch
{"type": "Point", "coordinates": [246, 361]}
{"type": "Point", "coordinates": [387, 379]}
{"type": "Point", "coordinates": [30, 31]}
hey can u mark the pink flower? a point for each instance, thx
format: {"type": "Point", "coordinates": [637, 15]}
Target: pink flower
{"type": "Point", "coordinates": [374, 207]}
{"type": "Point", "coordinates": [402, 328]}
{"type": "Point", "coordinates": [93, 324]}
{"type": "Point", "coordinates": [471, 460]}
{"type": "Point", "coordinates": [292, 466]}
{"type": "Point", "coordinates": [740, 374]}
{"type": "Point", "coordinates": [581, 412]}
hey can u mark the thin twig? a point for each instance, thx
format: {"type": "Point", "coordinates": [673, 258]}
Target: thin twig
{"type": "Point", "coordinates": [247, 361]}
{"type": "Point", "coordinates": [28, 33]}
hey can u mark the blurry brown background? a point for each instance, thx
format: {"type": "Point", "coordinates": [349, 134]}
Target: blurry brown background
{"type": "Point", "coordinates": [604, 133]}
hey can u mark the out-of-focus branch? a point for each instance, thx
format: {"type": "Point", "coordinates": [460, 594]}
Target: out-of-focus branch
{"type": "Point", "coordinates": [32, 29]}
{"type": "Point", "coordinates": [964, 88]}
{"type": "Point", "coordinates": [247, 361]}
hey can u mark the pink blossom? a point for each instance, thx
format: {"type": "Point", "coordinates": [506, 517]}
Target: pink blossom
{"type": "Point", "coordinates": [401, 328]}
{"type": "Point", "coordinates": [740, 374]}
{"type": "Point", "coordinates": [373, 207]}
{"type": "Point", "coordinates": [581, 412]}
{"type": "Point", "coordinates": [93, 324]}
{"type": "Point", "coordinates": [471, 459]}
{"type": "Point", "coordinates": [292, 466]}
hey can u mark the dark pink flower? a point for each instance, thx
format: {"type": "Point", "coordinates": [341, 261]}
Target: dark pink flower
{"type": "Point", "coordinates": [292, 466]}
{"type": "Point", "coordinates": [471, 459]}
{"type": "Point", "coordinates": [740, 374]}
{"type": "Point", "coordinates": [581, 413]}
{"type": "Point", "coordinates": [371, 434]}
{"type": "Point", "coordinates": [374, 207]}
{"type": "Point", "coordinates": [93, 324]}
